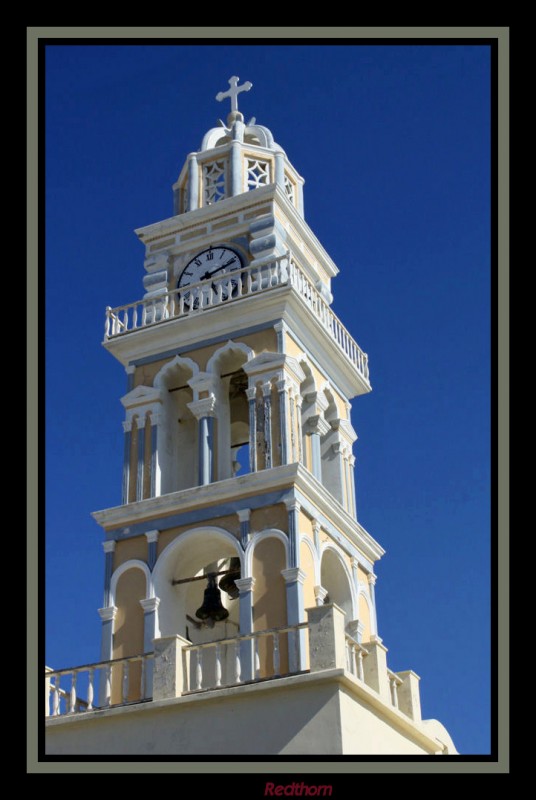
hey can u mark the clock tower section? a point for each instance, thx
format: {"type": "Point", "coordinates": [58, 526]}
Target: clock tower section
{"type": "Point", "coordinates": [236, 571]}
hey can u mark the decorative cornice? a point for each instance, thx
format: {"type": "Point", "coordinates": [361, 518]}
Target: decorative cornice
{"type": "Point", "coordinates": [150, 604]}
{"type": "Point", "coordinates": [293, 575]}
{"type": "Point", "coordinates": [203, 408]}
{"type": "Point", "coordinates": [320, 595]}
{"type": "Point", "coordinates": [141, 395]}
{"type": "Point", "coordinates": [107, 614]}
{"type": "Point", "coordinates": [316, 424]}
{"type": "Point", "coordinates": [152, 536]}
{"type": "Point", "coordinates": [245, 584]}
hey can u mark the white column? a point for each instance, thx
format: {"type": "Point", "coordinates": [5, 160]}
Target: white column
{"type": "Point", "coordinates": [127, 429]}
{"type": "Point", "coordinates": [282, 389]}
{"type": "Point", "coordinates": [247, 647]}
{"type": "Point", "coordinates": [251, 394]}
{"type": "Point", "coordinates": [280, 169]}
{"type": "Point", "coordinates": [316, 534]}
{"type": "Point", "coordinates": [150, 633]}
{"type": "Point", "coordinates": [140, 438]}
{"type": "Point", "coordinates": [299, 433]}
{"type": "Point", "coordinates": [193, 183]}
{"type": "Point", "coordinates": [244, 515]}
{"type": "Point", "coordinates": [351, 462]}
{"type": "Point", "coordinates": [267, 399]}
{"type": "Point", "coordinates": [371, 578]}
{"type": "Point", "coordinates": [108, 547]}
{"type": "Point", "coordinates": [152, 542]}
{"type": "Point", "coordinates": [107, 616]}
{"type": "Point", "coordinates": [156, 477]}
{"type": "Point", "coordinates": [293, 510]}
{"type": "Point", "coordinates": [235, 162]}
{"type": "Point", "coordinates": [294, 579]}
{"type": "Point", "coordinates": [281, 329]}
{"type": "Point", "coordinates": [204, 410]}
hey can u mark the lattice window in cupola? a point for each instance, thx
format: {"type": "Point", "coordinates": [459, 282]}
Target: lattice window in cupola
{"type": "Point", "coordinates": [289, 189]}
{"type": "Point", "coordinates": [258, 173]}
{"type": "Point", "coordinates": [214, 181]}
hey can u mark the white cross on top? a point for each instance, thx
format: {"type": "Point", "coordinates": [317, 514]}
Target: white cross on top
{"type": "Point", "coordinates": [234, 91]}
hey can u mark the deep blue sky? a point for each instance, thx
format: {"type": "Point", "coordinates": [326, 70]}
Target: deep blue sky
{"type": "Point", "coordinates": [393, 143]}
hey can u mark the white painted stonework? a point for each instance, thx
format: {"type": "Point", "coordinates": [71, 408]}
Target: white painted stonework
{"type": "Point", "coordinates": [238, 449]}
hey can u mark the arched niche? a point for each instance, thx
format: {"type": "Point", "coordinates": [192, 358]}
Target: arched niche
{"type": "Point", "coordinates": [336, 579]}
{"type": "Point", "coordinates": [177, 430]}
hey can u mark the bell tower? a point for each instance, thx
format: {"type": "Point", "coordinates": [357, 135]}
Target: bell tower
{"type": "Point", "coordinates": [235, 561]}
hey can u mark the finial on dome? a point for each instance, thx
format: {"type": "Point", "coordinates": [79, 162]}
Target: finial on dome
{"type": "Point", "coordinates": [233, 93]}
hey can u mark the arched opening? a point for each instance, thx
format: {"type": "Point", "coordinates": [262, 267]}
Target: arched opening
{"type": "Point", "coordinates": [195, 554]}
{"type": "Point", "coordinates": [177, 442]}
{"type": "Point", "coordinates": [335, 580]}
{"type": "Point", "coordinates": [232, 420]}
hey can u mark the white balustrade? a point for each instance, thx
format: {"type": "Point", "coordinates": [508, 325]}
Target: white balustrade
{"type": "Point", "coordinates": [197, 297]}
{"type": "Point", "coordinates": [68, 701]}
{"type": "Point", "coordinates": [394, 683]}
{"type": "Point", "coordinates": [211, 669]}
{"type": "Point", "coordinates": [355, 653]}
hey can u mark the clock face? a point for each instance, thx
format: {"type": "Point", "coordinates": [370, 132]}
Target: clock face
{"type": "Point", "coordinates": [213, 263]}
{"type": "Point", "coordinates": [213, 266]}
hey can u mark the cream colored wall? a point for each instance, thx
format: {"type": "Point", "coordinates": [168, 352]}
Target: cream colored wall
{"type": "Point", "coordinates": [367, 733]}
{"type": "Point", "coordinates": [128, 630]}
{"type": "Point", "coordinates": [145, 374]}
{"type": "Point", "coordinates": [362, 575]}
{"type": "Point", "coordinates": [307, 566]}
{"type": "Point", "coordinates": [306, 525]}
{"type": "Point", "coordinates": [310, 717]}
{"type": "Point", "coordinates": [128, 549]}
{"type": "Point", "coordinates": [270, 517]}
{"type": "Point", "coordinates": [269, 599]}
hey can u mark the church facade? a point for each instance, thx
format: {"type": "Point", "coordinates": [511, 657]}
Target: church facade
{"type": "Point", "coordinates": [239, 584]}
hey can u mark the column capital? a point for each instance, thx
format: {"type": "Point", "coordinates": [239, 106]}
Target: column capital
{"type": "Point", "coordinates": [283, 385]}
{"type": "Point", "coordinates": [203, 408]}
{"type": "Point", "coordinates": [130, 369]}
{"type": "Point", "coordinates": [354, 562]}
{"type": "Point", "coordinates": [127, 425]}
{"type": "Point", "coordinates": [108, 546]}
{"type": "Point", "coordinates": [351, 460]}
{"type": "Point", "coordinates": [243, 514]}
{"type": "Point", "coordinates": [315, 525]}
{"type": "Point", "coordinates": [154, 418]}
{"type": "Point", "coordinates": [293, 575]}
{"type": "Point", "coordinates": [108, 613]}
{"type": "Point", "coordinates": [317, 424]}
{"type": "Point", "coordinates": [251, 392]}
{"type": "Point", "coordinates": [245, 584]}
{"type": "Point", "coordinates": [280, 326]}
{"type": "Point", "coordinates": [152, 536]}
{"type": "Point", "coordinates": [320, 595]}
{"type": "Point", "coordinates": [371, 578]}
{"type": "Point", "coordinates": [150, 604]}
{"type": "Point", "coordinates": [292, 504]}
{"type": "Point", "coordinates": [267, 388]}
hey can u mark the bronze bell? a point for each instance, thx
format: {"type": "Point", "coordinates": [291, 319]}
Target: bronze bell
{"type": "Point", "coordinates": [227, 583]}
{"type": "Point", "coordinates": [212, 607]}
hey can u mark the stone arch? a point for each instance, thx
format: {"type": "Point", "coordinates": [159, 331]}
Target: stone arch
{"type": "Point", "coordinates": [163, 374]}
{"type": "Point", "coordinates": [232, 408]}
{"type": "Point", "coordinates": [133, 563]}
{"type": "Point", "coordinates": [177, 428]}
{"type": "Point", "coordinates": [189, 554]}
{"type": "Point", "coordinates": [336, 578]}
{"type": "Point", "coordinates": [258, 537]}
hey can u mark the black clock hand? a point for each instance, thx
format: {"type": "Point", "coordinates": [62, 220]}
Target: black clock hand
{"type": "Point", "coordinates": [208, 275]}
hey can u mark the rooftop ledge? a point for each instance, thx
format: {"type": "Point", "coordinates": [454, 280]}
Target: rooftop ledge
{"type": "Point", "coordinates": [287, 294]}
{"type": "Point", "coordinates": [291, 481]}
